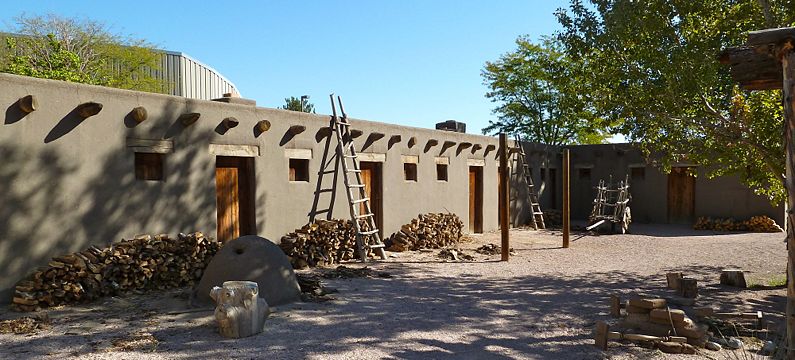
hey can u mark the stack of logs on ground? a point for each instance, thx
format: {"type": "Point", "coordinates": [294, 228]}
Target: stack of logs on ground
{"type": "Point", "coordinates": [327, 242]}
{"type": "Point", "coordinates": [143, 263]}
{"type": "Point", "coordinates": [428, 231]}
{"type": "Point", "coordinates": [324, 242]}
{"type": "Point", "coordinates": [754, 224]}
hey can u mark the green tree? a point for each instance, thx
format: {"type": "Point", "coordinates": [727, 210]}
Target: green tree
{"type": "Point", "coordinates": [655, 74]}
{"type": "Point", "coordinates": [538, 93]}
{"type": "Point", "coordinates": [83, 51]}
{"type": "Point", "coordinates": [298, 104]}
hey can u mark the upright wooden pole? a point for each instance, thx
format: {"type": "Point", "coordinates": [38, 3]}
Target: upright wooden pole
{"type": "Point", "coordinates": [504, 191]}
{"type": "Point", "coordinates": [566, 207]}
{"type": "Point", "coordinates": [788, 65]}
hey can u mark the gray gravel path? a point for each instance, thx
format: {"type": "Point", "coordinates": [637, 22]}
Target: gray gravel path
{"type": "Point", "coordinates": [540, 305]}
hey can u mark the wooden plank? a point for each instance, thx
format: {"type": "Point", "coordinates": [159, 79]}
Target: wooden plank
{"type": "Point", "coordinates": [150, 146]}
{"type": "Point", "coordinates": [234, 150]}
{"type": "Point", "coordinates": [788, 65]}
{"type": "Point", "coordinates": [298, 154]}
{"type": "Point", "coordinates": [476, 162]}
{"type": "Point", "coordinates": [771, 36]}
{"type": "Point", "coordinates": [227, 202]}
{"type": "Point", "coordinates": [681, 196]}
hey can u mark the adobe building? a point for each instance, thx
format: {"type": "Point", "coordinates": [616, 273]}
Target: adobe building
{"type": "Point", "coordinates": [229, 168]}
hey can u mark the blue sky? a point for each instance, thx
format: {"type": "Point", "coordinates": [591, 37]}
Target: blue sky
{"type": "Point", "coordinates": [408, 62]}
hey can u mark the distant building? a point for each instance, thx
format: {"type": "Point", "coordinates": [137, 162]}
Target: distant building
{"type": "Point", "coordinates": [191, 78]}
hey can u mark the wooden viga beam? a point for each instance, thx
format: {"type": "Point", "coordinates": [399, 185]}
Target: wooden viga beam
{"type": "Point", "coordinates": [229, 123]}
{"type": "Point", "coordinates": [139, 114]}
{"type": "Point", "coordinates": [189, 119]}
{"type": "Point", "coordinates": [28, 104]}
{"type": "Point", "coordinates": [88, 109]}
{"type": "Point", "coordinates": [752, 69]}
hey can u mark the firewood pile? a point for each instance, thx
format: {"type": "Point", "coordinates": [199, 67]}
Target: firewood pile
{"type": "Point", "coordinates": [143, 263]}
{"type": "Point", "coordinates": [324, 242]}
{"type": "Point", "coordinates": [427, 231]}
{"type": "Point", "coordinates": [754, 224]}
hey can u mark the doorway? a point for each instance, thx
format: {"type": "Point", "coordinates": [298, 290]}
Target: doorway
{"type": "Point", "coordinates": [681, 195]}
{"type": "Point", "coordinates": [476, 199]}
{"type": "Point", "coordinates": [234, 197]}
{"type": "Point", "coordinates": [371, 179]}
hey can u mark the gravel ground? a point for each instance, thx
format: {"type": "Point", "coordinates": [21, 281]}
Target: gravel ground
{"type": "Point", "coordinates": [540, 305]}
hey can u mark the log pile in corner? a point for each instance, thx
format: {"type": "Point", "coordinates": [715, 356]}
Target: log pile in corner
{"type": "Point", "coordinates": [427, 231]}
{"type": "Point", "coordinates": [760, 223]}
{"type": "Point", "coordinates": [324, 242]}
{"type": "Point", "coordinates": [143, 263]}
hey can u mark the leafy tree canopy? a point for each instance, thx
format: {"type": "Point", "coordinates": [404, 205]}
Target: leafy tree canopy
{"type": "Point", "coordinates": [84, 51]}
{"type": "Point", "coordinates": [538, 91]}
{"type": "Point", "coordinates": [297, 104]}
{"type": "Point", "coordinates": [654, 73]}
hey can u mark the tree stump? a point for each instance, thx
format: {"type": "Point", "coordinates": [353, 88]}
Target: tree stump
{"type": "Point", "coordinates": [240, 311]}
{"type": "Point", "coordinates": [688, 288]}
{"type": "Point", "coordinates": [733, 277]}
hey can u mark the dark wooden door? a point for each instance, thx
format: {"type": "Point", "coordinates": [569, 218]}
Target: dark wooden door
{"type": "Point", "coordinates": [681, 196]}
{"type": "Point", "coordinates": [371, 178]}
{"type": "Point", "coordinates": [475, 199]}
{"type": "Point", "coordinates": [234, 197]}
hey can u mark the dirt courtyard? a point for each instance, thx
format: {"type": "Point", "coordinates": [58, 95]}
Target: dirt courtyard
{"type": "Point", "coordinates": [542, 304]}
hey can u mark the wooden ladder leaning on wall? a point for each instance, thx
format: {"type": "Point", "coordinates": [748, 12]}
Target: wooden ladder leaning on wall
{"type": "Point", "coordinates": [367, 232]}
{"type": "Point", "coordinates": [537, 216]}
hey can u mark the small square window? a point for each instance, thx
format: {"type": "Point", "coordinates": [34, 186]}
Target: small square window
{"type": "Point", "coordinates": [149, 166]}
{"type": "Point", "coordinates": [410, 171]}
{"type": "Point", "coordinates": [441, 172]}
{"type": "Point", "coordinates": [638, 173]}
{"type": "Point", "coordinates": [299, 170]}
{"type": "Point", "coordinates": [584, 173]}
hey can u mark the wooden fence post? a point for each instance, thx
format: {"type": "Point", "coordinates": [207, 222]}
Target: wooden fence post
{"type": "Point", "coordinates": [566, 198]}
{"type": "Point", "coordinates": [503, 196]}
{"type": "Point", "coordinates": [788, 65]}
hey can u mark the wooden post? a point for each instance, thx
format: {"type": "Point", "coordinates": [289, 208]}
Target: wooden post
{"type": "Point", "coordinates": [503, 196]}
{"type": "Point", "coordinates": [566, 207]}
{"type": "Point", "coordinates": [788, 65]}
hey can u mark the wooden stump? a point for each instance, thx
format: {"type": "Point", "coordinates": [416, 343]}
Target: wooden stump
{"type": "Point", "coordinates": [240, 311]}
{"type": "Point", "coordinates": [673, 280]}
{"type": "Point", "coordinates": [688, 288]}
{"type": "Point", "coordinates": [733, 277]}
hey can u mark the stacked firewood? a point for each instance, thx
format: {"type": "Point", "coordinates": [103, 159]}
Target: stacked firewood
{"type": "Point", "coordinates": [755, 224]}
{"type": "Point", "coordinates": [427, 231]}
{"type": "Point", "coordinates": [323, 242]}
{"type": "Point", "coordinates": [143, 263]}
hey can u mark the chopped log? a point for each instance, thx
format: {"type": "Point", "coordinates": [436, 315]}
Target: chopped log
{"type": "Point", "coordinates": [647, 303]}
{"type": "Point", "coordinates": [688, 288]}
{"type": "Point", "coordinates": [733, 277]}
{"type": "Point", "coordinates": [427, 231]}
{"type": "Point", "coordinates": [673, 280]}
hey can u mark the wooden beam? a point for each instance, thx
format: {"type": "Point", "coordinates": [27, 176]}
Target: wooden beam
{"type": "Point", "coordinates": [771, 36]}
{"type": "Point", "coordinates": [412, 142]}
{"type": "Point", "coordinates": [229, 123]}
{"type": "Point", "coordinates": [28, 104]}
{"type": "Point", "coordinates": [188, 119]}
{"type": "Point", "coordinates": [788, 66]}
{"type": "Point", "coordinates": [263, 125]}
{"type": "Point", "coordinates": [566, 200]}
{"type": "Point", "coordinates": [296, 129]}
{"type": "Point", "coordinates": [503, 196]}
{"type": "Point", "coordinates": [139, 114]}
{"type": "Point", "coordinates": [752, 69]}
{"type": "Point", "coordinates": [89, 109]}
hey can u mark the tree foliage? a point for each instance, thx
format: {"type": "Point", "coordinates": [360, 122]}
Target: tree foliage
{"type": "Point", "coordinates": [654, 72]}
{"type": "Point", "coordinates": [296, 104]}
{"type": "Point", "coordinates": [84, 51]}
{"type": "Point", "coordinates": [538, 93]}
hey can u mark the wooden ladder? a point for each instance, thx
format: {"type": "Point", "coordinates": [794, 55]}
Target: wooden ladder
{"type": "Point", "coordinates": [352, 175]}
{"type": "Point", "coordinates": [532, 197]}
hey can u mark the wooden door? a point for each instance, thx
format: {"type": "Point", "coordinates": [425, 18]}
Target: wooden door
{"type": "Point", "coordinates": [475, 199]}
{"type": "Point", "coordinates": [681, 196]}
{"type": "Point", "coordinates": [371, 178]}
{"type": "Point", "coordinates": [234, 197]}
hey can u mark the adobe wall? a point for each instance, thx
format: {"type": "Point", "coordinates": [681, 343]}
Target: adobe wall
{"type": "Point", "coordinates": [68, 184]}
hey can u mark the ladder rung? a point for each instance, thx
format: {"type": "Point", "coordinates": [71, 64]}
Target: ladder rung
{"type": "Point", "coordinates": [364, 216]}
{"type": "Point", "coordinates": [324, 190]}
{"type": "Point", "coordinates": [354, 171]}
{"type": "Point", "coordinates": [538, 213]}
{"type": "Point", "coordinates": [369, 232]}
{"type": "Point", "coordinates": [322, 211]}
{"type": "Point", "coordinates": [356, 186]}
{"type": "Point", "coordinates": [350, 156]}
{"type": "Point", "coordinates": [376, 246]}
{"type": "Point", "coordinates": [326, 172]}
{"type": "Point", "coordinates": [343, 123]}
{"type": "Point", "coordinates": [360, 200]}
